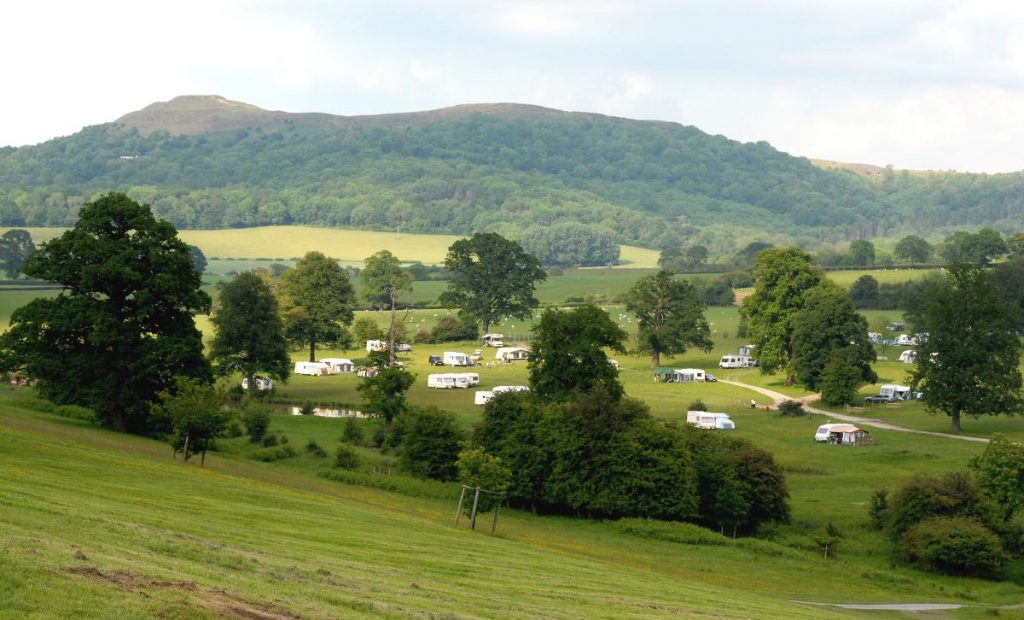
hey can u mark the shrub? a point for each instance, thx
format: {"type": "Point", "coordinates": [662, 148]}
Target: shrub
{"type": "Point", "coordinates": [346, 458]}
{"type": "Point", "coordinates": [366, 328]}
{"type": "Point", "coordinates": [791, 408]}
{"type": "Point", "coordinates": [477, 468]}
{"type": "Point", "coordinates": [234, 429]}
{"type": "Point", "coordinates": [270, 441]}
{"type": "Point", "coordinates": [430, 443]}
{"type": "Point", "coordinates": [352, 432]}
{"type": "Point", "coordinates": [75, 413]}
{"type": "Point", "coordinates": [671, 531]}
{"type": "Point", "coordinates": [274, 454]}
{"type": "Point", "coordinates": [306, 409]}
{"type": "Point", "coordinates": [257, 421]}
{"type": "Point", "coordinates": [697, 405]}
{"type": "Point", "coordinates": [953, 495]}
{"type": "Point", "coordinates": [452, 329]}
{"type": "Point", "coordinates": [878, 507]}
{"type": "Point", "coordinates": [314, 449]}
{"type": "Point", "coordinates": [955, 546]}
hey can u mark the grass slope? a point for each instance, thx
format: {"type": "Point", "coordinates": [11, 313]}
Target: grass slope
{"type": "Point", "coordinates": [96, 524]}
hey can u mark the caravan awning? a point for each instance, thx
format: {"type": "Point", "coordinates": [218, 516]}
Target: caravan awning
{"type": "Point", "coordinates": [664, 371]}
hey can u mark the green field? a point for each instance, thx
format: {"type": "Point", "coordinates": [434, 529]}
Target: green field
{"type": "Point", "coordinates": [282, 243]}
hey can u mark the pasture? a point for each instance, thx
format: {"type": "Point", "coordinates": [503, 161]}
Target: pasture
{"type": "Point", "coordinates": [130, 532]}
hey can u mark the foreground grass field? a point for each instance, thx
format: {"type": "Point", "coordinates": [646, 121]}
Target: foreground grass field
{"type": "Point", "coordinates": [96, 524]}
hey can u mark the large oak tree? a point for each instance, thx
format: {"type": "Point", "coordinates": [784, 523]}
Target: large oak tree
{"type": "Point", "coordinates": [670, 316]}
{"type": "Point", "coordinates": [317, 300]}
{"type": "Point", "coordinates": [493, 278]}
{"type": "Point", "coordinates": [122, 328]}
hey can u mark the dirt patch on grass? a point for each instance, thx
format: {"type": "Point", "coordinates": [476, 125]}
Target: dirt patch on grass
{"type": "Point", "coordinates": [229, 605]}
{"type": "Point", "coordinates": [219, 602]}
{"type": "Point", "coordinates": [131, 581]}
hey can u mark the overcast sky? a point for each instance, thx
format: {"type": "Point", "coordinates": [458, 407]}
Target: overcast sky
{"type": "Point", "coordinates": [920, 84]}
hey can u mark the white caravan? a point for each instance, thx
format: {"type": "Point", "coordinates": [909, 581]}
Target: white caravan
{"type": "Point", "coordinates": [711, 421]}
{"type": "Point", "coordinates": [314, 369]}
{"type": "Point", "coordinates": [339, 365]}
{"type": "Point", "coordinates": [454, 358]}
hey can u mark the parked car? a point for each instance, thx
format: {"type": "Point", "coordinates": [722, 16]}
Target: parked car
{"type": "Point", "coordinates": [879, 399]}
{"type": "Point", "coordinates": [435, 360]}
{"type": "Point", "coordinates": [710, 377]}
{"type": "Point", "coordinates": [403, 346]}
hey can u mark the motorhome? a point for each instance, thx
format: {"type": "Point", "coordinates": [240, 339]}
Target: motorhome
{"type": "Point", "coordinates": [493, 340]}
{"type": "Point", "coordinates": [737, 361]}
{"type": "Point", "coordinates": [710, 421]}
{"type": "Point", "coordinates": [454, 358]}
{"type": "Point", "coordinates": [313, 369]}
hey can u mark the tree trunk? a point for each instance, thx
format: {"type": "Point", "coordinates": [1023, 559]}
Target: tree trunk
{"type": "Point", "coordinates": [391, 333]}
{"type": "Point", "coordinates": [387, 425]}
{"type": "Point", "coordinates": [312, 349]}
{"type": "Point", "coordinates": [655, 359]}
{"type": "Point", "coordinates": [185, 452]}
{"type": "Point", "coordinates": [955, 418]}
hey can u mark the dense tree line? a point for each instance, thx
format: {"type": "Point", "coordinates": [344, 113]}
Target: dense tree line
{"type": "Point", "coordinates": [649, 183]}
{"type": "Point", "coordinates": [597, 456]}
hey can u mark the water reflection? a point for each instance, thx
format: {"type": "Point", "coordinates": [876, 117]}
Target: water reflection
{"type": "Point", "coordinates": [324, 412]}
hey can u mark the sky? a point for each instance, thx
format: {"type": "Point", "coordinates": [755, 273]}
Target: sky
{"type": "Point", "coordinates": [918, 84]}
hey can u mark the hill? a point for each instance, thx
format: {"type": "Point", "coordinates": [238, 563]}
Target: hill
{"type": "Point", "coordinates": [207, 162]}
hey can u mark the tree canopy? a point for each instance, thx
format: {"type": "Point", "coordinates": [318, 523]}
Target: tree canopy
{"type": "Point", "coordinates": [782, 277]}
{"type": "Point", "coordinates": [913, 249]}
{"type": "Point", "coordinates": [567, 353]}
{"type": "Point", "coordinates": [493, 278]}
{"type": "Point", "coordinates": [384, 281]}
{"type": "Point", "coordinates": [670, 316]}
{"type": "Point", "coordinates": [318, 300]}
{"type": "Point", "coordinates": [969, 360]}
{"type": "Point", "coordinates": [828, 328]}
{"type": "Point", "coordinates": [384, 394]}
{"type": "Point", "coordinates": [249, 334]}
{"type": "Point", "coordinates": [122, 328]}
{"type": "Point", "coordinates": [15, 246]}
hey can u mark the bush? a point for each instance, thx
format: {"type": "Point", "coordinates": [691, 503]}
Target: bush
{"type": "Point", "coordinates": [306, 409]}
{"type": "Point", "coordinates": [452, 329]}
{"type": "Point", "coordinates": [274, 454]}
{"type": "Point", "coordinates": [878, 507]}
{"type": "Point", "coordinates": [75, 412]}
{"type": "Point", "coordinates": [955, 546]}
{"type": "Point", "coordinates": [270, 441]}
{"type": "Point", "coordinates": [430, 443]}
{"type": "Point", "coordinates": [671, 531]}
{"type": "Point", "coordinates": [365, 328]}
{"type": "Point", "coordinates": [314, 449]}
{"type": "Point", "coordinates": [352, 432]}
{"type": "Point", "coordinates": [697, 405]}
{"type": "Point", "coordinates": [346, 458]}
{"type": "Point", "coordinates": [257, 421]}
{"type": "Point", "coordinates": [791, 408]}
{"type": "Point", "coordinates": [477, 468]}
{"type": "Point", "coordinates": [953, 495]}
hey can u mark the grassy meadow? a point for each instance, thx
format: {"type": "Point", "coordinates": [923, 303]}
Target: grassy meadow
{"type": "Point", "coordinates": [97, 524]}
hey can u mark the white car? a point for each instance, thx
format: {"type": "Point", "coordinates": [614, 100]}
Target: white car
{"type": "Point", "coordinates": [403, 346]}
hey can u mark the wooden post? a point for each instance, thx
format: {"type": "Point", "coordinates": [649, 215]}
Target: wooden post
{"type": "Point", "coordinates": [494, 523]}
{"type": "Point", "coordinates": [472, 515]}
{"type": "Point", "coordinates": [458, 512]}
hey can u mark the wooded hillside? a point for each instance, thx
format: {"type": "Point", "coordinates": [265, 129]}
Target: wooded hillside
{"type": "Point", "coordinates": [205, 162]}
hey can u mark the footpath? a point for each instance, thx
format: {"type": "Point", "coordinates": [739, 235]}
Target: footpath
{"type": "Point", "coordinates": [778, 398]}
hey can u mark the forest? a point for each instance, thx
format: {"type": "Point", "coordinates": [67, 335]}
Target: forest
{"type": "Point", "coordinates": [645, 183]}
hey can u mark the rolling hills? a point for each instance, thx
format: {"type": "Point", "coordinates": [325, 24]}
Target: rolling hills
{"type": "Point", "coordinates": [207, 162]}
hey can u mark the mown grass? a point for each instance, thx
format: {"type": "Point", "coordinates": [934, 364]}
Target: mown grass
{"type": "Point", "coordinates": [100, 524]}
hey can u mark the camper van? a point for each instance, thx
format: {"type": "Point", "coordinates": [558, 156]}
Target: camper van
{"type": "Point", "coordinates": [736, 361]}
{"type": "Point", "coordinates": [313, 369]}
{"type": "Point", "coordinates": [454, 358]}
{"type": "Point", "coordinates": [493, 340]}
{"type": "Point", "coordinates": [710, 421]}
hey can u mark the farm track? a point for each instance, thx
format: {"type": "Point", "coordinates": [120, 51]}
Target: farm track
{"type": "Point", "coordinates": [778, 398]}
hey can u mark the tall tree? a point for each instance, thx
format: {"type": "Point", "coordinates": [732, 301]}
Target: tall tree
{"type": "Point", "coordinates": [969, 363]}
{"type": "Point", "coordinates": [15, 246]}
{"type": "Point", "coordinates": [670, 316]}
{"type": "Point", "coordinates": [913, 249]}
{"type": "Point", "coordinates": [978, 248]}
{"type": "Point", "coordinates": [1009, 278]}
{"type": "Point", "coordinates": [782, 277]}
{"type": "Point", "coordinates": [493, 278]}
{"type": "Point", "coordinates": [862, 253]}
{"type": "Point", "coordinates": [249, 334]}
{"type": "Point", "coordinates": [317, 300]}
{"type": "Point", "coordinates": [864, 293]}
{"type": "Point", "coordinates": [384, 394]}
{"type": "Point", "coordinates": [826, 328]}
{"type": "Point", "coordinates": [198, 259]}
{"type": "Point", "coordinates": [122, 328]}
{"type": "Point", "coordinates": [383, 281]}
{"type": "Point", "coordinates": [567, 353]}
